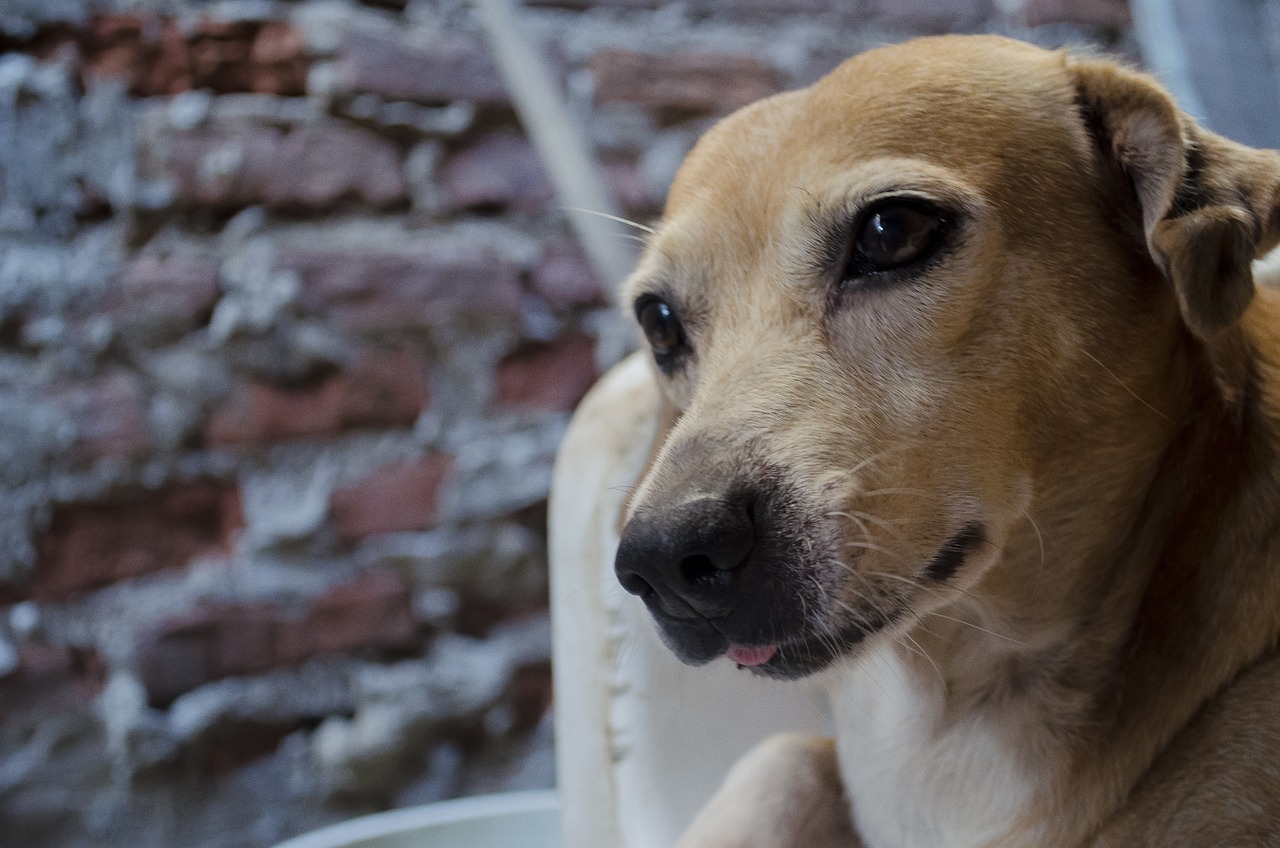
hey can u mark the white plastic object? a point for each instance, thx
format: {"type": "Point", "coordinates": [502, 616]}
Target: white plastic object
{"type": "Point", "coordinates": [507, 820]}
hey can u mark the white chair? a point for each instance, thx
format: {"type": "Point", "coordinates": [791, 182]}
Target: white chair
{"type": "Point", "coordinates": [641, 740]}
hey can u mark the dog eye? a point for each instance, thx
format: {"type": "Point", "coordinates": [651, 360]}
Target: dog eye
{"type": "Point", "coordinates": [661, 327]}
{"type": "Point", "coordinates": [892, 235]}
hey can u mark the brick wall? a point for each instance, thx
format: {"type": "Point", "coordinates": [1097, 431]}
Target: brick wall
{"type": "Point", "coordinates": [290, 326]}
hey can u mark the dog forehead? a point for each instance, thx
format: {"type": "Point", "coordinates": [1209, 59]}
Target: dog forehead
{"type": "Point", "coordinates": [981, 122]}
{"type": "Point", "coordinates": [989, 108]}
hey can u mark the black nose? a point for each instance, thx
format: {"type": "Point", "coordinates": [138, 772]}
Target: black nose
{"type": "Point", "coordinates": [687, 558]}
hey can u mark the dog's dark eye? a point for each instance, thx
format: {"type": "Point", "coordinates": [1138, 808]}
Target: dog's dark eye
{"type": "Point", "coordinates": [661, 327]}
{"type": "Point", "coordinates": [892, 235]}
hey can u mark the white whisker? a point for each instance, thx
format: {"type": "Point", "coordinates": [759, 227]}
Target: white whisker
{"type": "Point", "coordinates": [876, 457]}
{"type": "Point", "coordinates": [895, 491]}
{"type": "Point", "coordinates": [976, 627]}
{"type": "Point", "coordinates": [1120, 383]}
{"type": "Point", "coordinates": [861, 518]}
{"type": "Point", "coordinates": [920, 649]}
{"type": "Point", "coordinates": [871, 546]}
{"type": "Point", "coordinates": [607, 216]}
{"type": "Point", "coordinates": [1039, 535]}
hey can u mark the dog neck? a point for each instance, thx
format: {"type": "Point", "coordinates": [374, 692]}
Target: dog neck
{"type": "Point", "coordinates": [1108, 625]}
{"type": "Point", "coordinates": [1193, 593]}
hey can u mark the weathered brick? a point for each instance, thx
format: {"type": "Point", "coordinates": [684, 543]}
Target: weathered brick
{"type": "Point", "coordinates": [929, 15]}
{"type": "Point", "coordinates": [476, 616]}
{"type": "Point", "coordinates": [819, 63]}
{"type": "Point", "coordinates": [236, 164]}
{"type": "Point", "coordinates": [231, 745]}
{"type": "Point", "coordinates": [278, 60]}
{"type": "Point", "coordinates": [403, 286]}
{"type": "Point", "coordinates": [392, 499]}
{"type": "Point", "coordinates": [154, 62]}
{"type": "Point", "coordinates": [373, 612]}
{"type": "Point", "coordinates": [739, 10]}
{"type": "Point", "coordinates": [378, 389]}
{"type": "Point", "coordinates": [159, 56]}
{"type": "Point", "coordinates": [529, 694]}
{"type": "Point", "coordinates": [691, 83]}
{"type": "Point", "coordinates": [110, 416]}
{"type": "Point", "coordinates": [583, 5]}
{"type": "Point", "coordinates": [436, 71]}
{"type": "Point", "coordinates": [51, 677]}
{"type": "Point", "coordinates": [159, 299]}
{"type": "Point", "coordinates": [547, 375]}
{"type": "Point", "coordinates": [565, 278]}
{"type": "Point", "coordinates": [498, 171]}
{"type": "Point", "coordinates": [1100, 13]}
{"type": "Point", "coordinates": [94, 544]}
{"type": "Point", "coordinates": [628, 186]}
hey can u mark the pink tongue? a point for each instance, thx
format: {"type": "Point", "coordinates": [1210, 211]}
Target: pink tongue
{"type": "Point", "coordinates": [751, 656]}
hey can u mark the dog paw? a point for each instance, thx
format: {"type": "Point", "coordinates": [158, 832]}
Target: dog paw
{"type": "Point", "coordinates": [785, 793]}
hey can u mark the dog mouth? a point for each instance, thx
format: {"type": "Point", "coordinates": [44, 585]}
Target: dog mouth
{"type": "Point", "coordinates": [811, 652]}
{"type": "Point", "coordinates": [745, 657]}
{"type": "Point", "coordinates": [812, 646]}
{"type": "Point", "coordinates": [803, 651]}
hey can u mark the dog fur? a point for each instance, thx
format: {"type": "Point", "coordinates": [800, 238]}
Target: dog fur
{"type": "Point", "coordinates": [1017, 505]}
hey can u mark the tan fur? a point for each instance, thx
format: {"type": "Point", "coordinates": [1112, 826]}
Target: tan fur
{"type": "Point", "coordinates": [1091, 372]}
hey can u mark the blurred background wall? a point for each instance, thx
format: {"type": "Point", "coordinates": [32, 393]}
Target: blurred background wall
{"type": "Point", "coordinates": [290, 325]}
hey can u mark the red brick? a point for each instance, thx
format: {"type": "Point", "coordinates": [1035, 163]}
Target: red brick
{"type": "Point", "coordinates": [1100, 13]}
{"type": "Point", "coordinates": [148, 52]}
{"type": "Point", "coordinates": [94, 544]}
{"type": "Point", "coordinates": [385, 389]}
{"type": "Point", "coordinates": [692, 83]}
{"type": "Point", "coordinates": [450, 67]}
{"type": "Point", "coordinates": [371, 288]}
{"type": "Point", "coordinates": [392, 499]}
{"type": "Point", "coordinates": [547, 375]}
{"type": "Point", "coordinates": [158, 56]}
{"type": "Point", "coordinates": [313, 167]}
{"type": "Point", "coordinates": [379, 389]}
{"type": "Point", "coordinates": [496, 172]}
{"type": "Point", "coordinates": [565, 277]}
{"type": "Point", "coordinates": [278, 60]}
{"type": "Point", "coordinates": [110, 416]}
{"type": "Point", "coordinates": [477, 616]}
{"type": "Point", "coordinates": [929, 15]}
{"type": "Point", "coordinates": [373, 612]}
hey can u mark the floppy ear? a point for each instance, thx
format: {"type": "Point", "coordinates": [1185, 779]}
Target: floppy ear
{"type": "Point", "coordinates": [1209, 206]}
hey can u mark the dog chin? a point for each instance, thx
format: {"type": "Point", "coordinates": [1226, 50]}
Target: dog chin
{"type": "Point", "coordinates": [790, 659]}
{"type": "Point", "coordinates": [692, 645]}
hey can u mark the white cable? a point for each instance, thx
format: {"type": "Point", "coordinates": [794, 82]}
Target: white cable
{"type": "Point", "coordinates": [559, 141]}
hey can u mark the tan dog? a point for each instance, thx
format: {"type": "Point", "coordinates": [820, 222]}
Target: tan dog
{"type": "Point", "coordinates": [976, 412]}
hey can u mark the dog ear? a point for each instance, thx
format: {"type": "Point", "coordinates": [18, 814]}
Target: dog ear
{"type": "Point", "coordinates": [1209, 206]}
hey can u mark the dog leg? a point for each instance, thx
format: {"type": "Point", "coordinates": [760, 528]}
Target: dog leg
{"type": "Point", "coordinates": [785, 793]}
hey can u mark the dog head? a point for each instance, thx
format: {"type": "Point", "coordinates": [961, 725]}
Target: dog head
{"type": "Point", "coordinates": [950, 299]}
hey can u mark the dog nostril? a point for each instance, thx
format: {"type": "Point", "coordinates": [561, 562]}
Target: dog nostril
{"type": "Point", "coordinates": [636, 585]}
{"type": "Point", "coordinates": [699, 570]}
